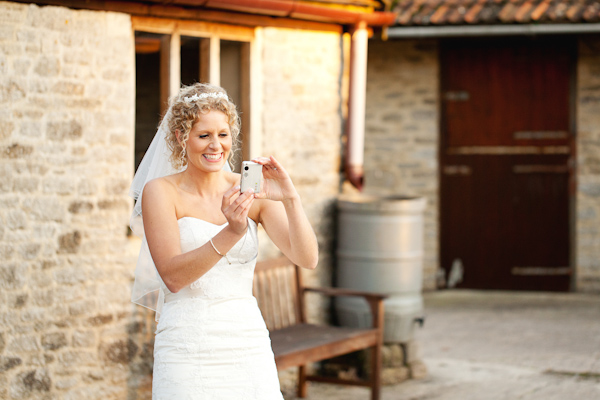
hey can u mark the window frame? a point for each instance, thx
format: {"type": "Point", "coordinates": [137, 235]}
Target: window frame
{"type": "Point", "coordinates": [210, 35]}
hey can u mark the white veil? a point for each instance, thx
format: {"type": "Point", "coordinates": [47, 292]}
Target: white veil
{"type": "Point", "coordinates": [147, 289]}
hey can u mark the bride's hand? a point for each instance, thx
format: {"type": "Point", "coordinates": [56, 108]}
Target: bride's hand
{"type": "Point", "coordinates": [236, 211]}
{"type": "Point", "coordinates": [277, 184]}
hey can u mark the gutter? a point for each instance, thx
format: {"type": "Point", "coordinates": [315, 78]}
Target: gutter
{"type": "Point", "coordinates": [398, 32]}
{"type": "Point", "coordinates": [298, 10]}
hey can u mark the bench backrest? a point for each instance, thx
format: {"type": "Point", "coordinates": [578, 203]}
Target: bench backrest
{"type": "Point", "coordinates": [277, 288]}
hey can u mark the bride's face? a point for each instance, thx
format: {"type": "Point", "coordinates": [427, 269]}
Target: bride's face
{"type": "Point", "coordinates": [209, 142]}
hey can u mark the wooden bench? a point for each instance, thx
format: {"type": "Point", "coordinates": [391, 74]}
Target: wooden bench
{"type": "Point", "coordinates": [296, 343]}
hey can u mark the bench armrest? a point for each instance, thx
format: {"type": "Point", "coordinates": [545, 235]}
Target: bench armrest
{"type": "Point", "coordinates": [375, 300]}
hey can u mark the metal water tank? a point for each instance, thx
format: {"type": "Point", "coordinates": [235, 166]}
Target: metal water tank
{"type": "Point", "coordinates": [380, 249]}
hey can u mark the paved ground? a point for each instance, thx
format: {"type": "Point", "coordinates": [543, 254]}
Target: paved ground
{"type": "Point", "coordinates": [500, 346]}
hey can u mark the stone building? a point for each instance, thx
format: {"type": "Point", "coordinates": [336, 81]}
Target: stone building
{"type": "Point", "coordinates": [81, 88]}
{"type": "Point", "coordinates": [490, 110]}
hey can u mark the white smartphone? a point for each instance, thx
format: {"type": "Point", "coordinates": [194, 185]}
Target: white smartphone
{"type": "Point", "coordinates": [251, 176]}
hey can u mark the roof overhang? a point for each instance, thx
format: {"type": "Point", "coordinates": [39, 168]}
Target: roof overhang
{"type": "Point", "coordinates": [398, 32]}
{"type": "Point", "coordinates": [324, 11]}
{"type": "Point", "coordinates": [244, 12]}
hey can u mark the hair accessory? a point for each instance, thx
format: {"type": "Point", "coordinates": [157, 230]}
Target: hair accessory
{"type": "Point", "coordinates": [218, 252]}
{"type": "Point", "coordinates": [213, 95]}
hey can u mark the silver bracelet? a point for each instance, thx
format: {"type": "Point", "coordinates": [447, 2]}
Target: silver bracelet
{"type": "Point", "coordinates": [218, 252]}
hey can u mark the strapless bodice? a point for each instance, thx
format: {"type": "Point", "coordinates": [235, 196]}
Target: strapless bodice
{"type": "Point", "coordinates": [224, 279]}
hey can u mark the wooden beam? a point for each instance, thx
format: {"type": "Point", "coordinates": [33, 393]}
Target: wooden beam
{"type": "Point", "coordinates": [254, 128]}
{"type": "Point", "coordinates": [175, 64]}
{"type": "Point", "coordinates": [192, 28]}
{"type": "Point", "coordinates": [165, 44]}
{"type": "Point", "coordinates": [197, 14]}
{"type": "Point", "coordinates": [245, 101]}
{"type": "Point", "coordinates": [210, 60]}
{"type": "Point", "coordinates": [237, 18]}
{"type": "Point", "coordinates": [146, 45]}
{"type": "Point", "coordinates": [170, 68]}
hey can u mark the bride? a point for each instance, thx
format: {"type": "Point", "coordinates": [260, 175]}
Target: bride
{"type": "Point", "coordinates": [201, 232]}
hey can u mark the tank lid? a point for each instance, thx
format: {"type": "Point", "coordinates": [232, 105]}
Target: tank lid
{"type": "Point", "coordinates": [369, 203]}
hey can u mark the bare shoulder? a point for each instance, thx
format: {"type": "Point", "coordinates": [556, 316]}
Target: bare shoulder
{"type": "Point", "coordinates": [159, 194]}
{"type": "Point", "coordinates": [164, 185]}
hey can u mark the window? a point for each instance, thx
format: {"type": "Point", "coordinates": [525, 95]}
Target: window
{"type": "Point", "coordinates": [170, 53]}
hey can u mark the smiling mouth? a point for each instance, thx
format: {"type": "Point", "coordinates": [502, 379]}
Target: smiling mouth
{"type": "Point", "coordinates": [213, 157]}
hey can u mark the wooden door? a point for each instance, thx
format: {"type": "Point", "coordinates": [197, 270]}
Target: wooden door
{"type": "Point", "coordinates": [505, 159]}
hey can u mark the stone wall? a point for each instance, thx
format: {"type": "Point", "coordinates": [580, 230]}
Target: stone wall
{"type": "Point", "coordinates": [401, 139]}
{"type": "Point", "coordinates": [302, 128]}
{"type": "Point", "coordinates": [66, 138]}
{"type": "Point", "coordinates": [587, 248]}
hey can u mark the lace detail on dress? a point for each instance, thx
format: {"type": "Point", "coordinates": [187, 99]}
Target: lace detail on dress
{"type": "Point", "coordinates": [211, 341]}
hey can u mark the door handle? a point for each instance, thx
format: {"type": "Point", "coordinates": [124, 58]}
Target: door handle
{"type": "Point", "coordinates": [540, 169]}
{"type": "Point", "coordinates": [456, 170]}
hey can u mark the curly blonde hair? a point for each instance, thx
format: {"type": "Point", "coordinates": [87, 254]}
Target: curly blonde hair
{"type": "Point", "coordinates": [186, 108]}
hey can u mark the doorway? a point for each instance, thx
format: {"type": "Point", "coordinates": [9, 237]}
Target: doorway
{"type": "Point", "coordinates": [506, 154]}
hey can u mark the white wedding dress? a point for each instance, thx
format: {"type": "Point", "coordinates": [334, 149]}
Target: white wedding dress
{"type": "Point", "coordinates": [211, 340]}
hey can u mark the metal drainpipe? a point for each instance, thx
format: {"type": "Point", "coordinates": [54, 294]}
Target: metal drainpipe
{"type": "Point", "coordinates": [356, 105]}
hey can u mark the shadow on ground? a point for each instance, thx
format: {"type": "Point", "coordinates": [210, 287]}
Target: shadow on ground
{"type": "Point", "coordinates": [487, 345]}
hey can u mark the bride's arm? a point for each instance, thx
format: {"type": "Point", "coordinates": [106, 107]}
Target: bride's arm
{"type": "Point", "coordinates": [289, 229]}
{"type": "Point", "coordinates": [178, 269]}
{"type": "Point", "coordinates": [283, 217]}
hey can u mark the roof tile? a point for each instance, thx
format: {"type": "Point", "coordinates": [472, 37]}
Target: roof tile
{"type": "Point", "coordinates": [523, 13]}
{"type": "Point", "coordinates": [507, 13]}
{"type": "Point", "coordinates": [472, 15]}
{"type": "Point", "coordinates": [488, 14]}
{"type": "Point", "coordinates": [454, 16]}
{"type": "Point", "coordinates": [540, 10]}
{"type": "Point", "coordinates": [446, 12]}
{"type": "Point", "coordinates": [439, 15]}
{"type": "Point", "coordinates": [424, 15]}
{"type": "Point", "coordinates": [574, 12]}
{"type": "Point", "coordinates": [592, 13]}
